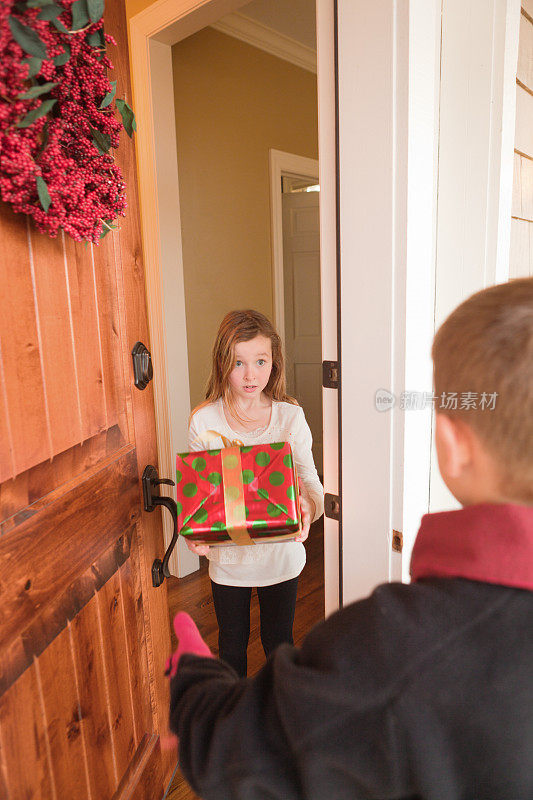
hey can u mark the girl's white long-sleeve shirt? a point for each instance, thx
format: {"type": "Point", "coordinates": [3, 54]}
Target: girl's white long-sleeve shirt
{"type": "Point", "coordinates": [261, 564]}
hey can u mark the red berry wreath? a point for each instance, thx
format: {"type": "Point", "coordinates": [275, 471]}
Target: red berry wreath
{"type": "Point", "coordinates": [57, 117]}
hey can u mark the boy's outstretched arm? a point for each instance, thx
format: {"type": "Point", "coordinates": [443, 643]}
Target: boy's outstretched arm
{"type": "Point", "coordinates": [314, 723]}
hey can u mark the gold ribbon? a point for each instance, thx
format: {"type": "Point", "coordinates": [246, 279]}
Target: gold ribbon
{"type": "Point", "coordinates": [234, 496]}
{"type": "Point", "coordinates": [233, 486]}
{"type": "Point", "coordinates": [210, 436]}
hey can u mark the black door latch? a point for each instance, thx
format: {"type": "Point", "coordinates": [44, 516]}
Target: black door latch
{"type": "Point", "coordinates": [152, 499]}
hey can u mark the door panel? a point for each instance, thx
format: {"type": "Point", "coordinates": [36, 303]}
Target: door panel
{"type": "Point", "coordinates": [84, 635]}
{"type": "Point", "coordinates": [301, 277]}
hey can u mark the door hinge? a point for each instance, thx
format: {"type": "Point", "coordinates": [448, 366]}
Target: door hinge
{"type": "Point", "coordinates": [330, 374]}
{"type": "Point", "coordinates": [397, 541]}
{"type": "Point", "coordinates": [332, 506]}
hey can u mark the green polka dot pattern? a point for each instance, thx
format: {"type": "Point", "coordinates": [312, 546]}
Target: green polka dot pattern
{"type": "Point", "coordinates": [186, 531]}
{"type": "Point", "coordinates": [214, 452]}
{"type": "Point", "coordinates": [246, 449]}
{"type": "Point", "coordinates": [275, 510]}
{"type": "Point", "coordinates": [215, 478]}
{"type": "Point", "coordinates": [292, 522]}
{"type": "Point", "coordinates": [287, 460]}
{"type": "Point", "coordinates": [259, 523]}
{"type": "Point", "coordinates": [190, 489]}
{"type": "Point", "coordinates": [200, 516]}
{"type": "Point", "coordinates": [179, 476]}
{"type": "Point", "coordinates": [278, 445]}
{"type": "Point", "coordinates": [199, 464]}
{"type": "Point", "coordinates": [263, 494]}
{"type": "Point", "coordinates": [179, 507]}
{"type": "Point", "coordinates": [217, 526]}
{"type": "Point", "coordinates": [262, 458]}
{"type": "Point", "coordinates": [231, 461]}
{"type": "Point", "coordinates": [291, 494]}
{"type": "Point", "coordinates": [247, 476]}
{"type": "Point", "coordinates": [276, 478]}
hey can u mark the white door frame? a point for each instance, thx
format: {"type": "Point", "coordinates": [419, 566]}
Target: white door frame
{"type": "Point", "coordinates": [294, 166]}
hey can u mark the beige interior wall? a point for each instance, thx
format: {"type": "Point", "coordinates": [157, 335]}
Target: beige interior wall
{"type": "Point", "coordinates": [233, 103]}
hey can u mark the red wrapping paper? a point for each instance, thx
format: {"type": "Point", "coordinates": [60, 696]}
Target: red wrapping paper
{"type": "Point", "coordinates": [269, 485]}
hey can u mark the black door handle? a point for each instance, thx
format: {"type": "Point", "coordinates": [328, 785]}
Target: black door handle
{"type": "Point", "coordinates": [152, 499]}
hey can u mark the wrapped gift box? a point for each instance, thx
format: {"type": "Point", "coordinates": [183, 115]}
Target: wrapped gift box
{"type": "Point", "coordinates": [238, 495]}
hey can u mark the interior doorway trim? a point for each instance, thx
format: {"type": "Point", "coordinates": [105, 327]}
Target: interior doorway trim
{"type": "Point", "coordinates": [294, 166]}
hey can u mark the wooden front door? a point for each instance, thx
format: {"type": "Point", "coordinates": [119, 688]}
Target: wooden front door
{"type": "Point", "coordinates": [84, 636]}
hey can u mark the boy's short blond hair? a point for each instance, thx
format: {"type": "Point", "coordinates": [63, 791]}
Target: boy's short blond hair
{"type": "Point", "coordinates": [486, 346]}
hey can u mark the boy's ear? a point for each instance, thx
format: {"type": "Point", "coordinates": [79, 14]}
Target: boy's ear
{"type": "Point", "coordinates": [454, 445]}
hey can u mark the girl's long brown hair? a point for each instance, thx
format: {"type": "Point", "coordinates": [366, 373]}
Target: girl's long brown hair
{"type": "Point", "coordinates": [241, 326]}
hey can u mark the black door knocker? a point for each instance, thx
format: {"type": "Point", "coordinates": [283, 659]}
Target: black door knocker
{"type": "Point", "coordinates": [142, 365]}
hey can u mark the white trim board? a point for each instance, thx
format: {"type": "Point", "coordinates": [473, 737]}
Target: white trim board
{"type": "Point", "coordinates": [290, 165]}
{"type": "Point", "coordinates": [258, 35]}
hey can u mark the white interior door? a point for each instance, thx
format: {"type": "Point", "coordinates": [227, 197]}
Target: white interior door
{"type": "Point", "coordinates": [301, 276]}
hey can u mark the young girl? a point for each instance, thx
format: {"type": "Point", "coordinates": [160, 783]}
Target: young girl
{"type": "Point", "coordinates": [246, 401]}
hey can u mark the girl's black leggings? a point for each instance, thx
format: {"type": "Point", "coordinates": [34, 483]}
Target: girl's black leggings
{"type": "Point", "coordinates": [232, 607]}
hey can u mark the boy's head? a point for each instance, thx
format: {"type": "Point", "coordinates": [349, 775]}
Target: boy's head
{"type": "Point", "coordinates": [483, 352]}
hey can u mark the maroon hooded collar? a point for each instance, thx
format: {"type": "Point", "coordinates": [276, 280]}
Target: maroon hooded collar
{"type": "Point", "coordinates": [489, 543]}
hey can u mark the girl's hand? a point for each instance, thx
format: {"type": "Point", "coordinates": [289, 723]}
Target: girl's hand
{"type": "Point", "coordinates": [307, 508]}
{"type": "Point", "coordinates": [197, 549]}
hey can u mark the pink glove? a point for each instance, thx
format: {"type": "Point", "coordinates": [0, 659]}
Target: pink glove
{"type": "Point", "coordinates": [189, 641]}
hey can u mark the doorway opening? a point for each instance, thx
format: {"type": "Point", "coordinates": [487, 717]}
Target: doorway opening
{"type": "Point", "coordinates": [220, 102]}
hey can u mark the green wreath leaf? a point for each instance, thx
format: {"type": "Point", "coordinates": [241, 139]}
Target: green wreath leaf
{"type": "Point", "coordinates": [108, 226]}
{"type": "Point", "coordinates": [63, 57]}
{"type": "Point", "coordinates": [35, 65]}
{"type": "Point", "coordinates": [101, 140]}
{"type": "Point", "coordinates": [95, 9]}
{"type": "Point", "coordinates": [36, 91]}
{"type": "Point", "coordinates": [96, 39]}
{"type": "Point", "coordinates": [36, 113]}
{"type": "Point", "coordinates": [38, 3]}
{"type": "Point", "coordinates": [80, 15]}
{"type": "Point", "coordinates": [109, 96]}
{"type": "Point", "coordinates": [128, 117]}
{"type": "Point", "coordinates": [44, 194]}
{"type": "Point", "coordinates": [59, 25]}
{"type": "Point", "coordinates": [51, 11]}
{"type": "Point", "coordinates": [27, 38]}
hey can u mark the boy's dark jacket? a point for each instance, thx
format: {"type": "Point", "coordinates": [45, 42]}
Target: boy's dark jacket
{"type": "Point", "coordinates": [420, 691]}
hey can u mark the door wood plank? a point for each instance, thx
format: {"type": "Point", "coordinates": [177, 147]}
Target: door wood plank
{"type": "Point", "coordinates": [89, 657]}
{"type": "Point", "coordinates": [72, 533]}
{"type": "Point", "coordinates": [89, 355]}
{"type": "Point", "coordinates": [7, 464]}
{"type": "Point", "coordinates": [24, 743]}
{"type": "Point", "coordinates": [115, 647]}
{"type": "Point", "coordinates": [21, 358]}
{"type": "Point", "coordinates": [54, 313]}
{"type": "Point", "coordinates": [65, 727]}
{"type": "Point", "coordinates": [132, 609]}
{"type": "Point", "coordinates": [109, 332]}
